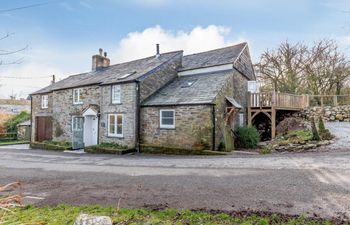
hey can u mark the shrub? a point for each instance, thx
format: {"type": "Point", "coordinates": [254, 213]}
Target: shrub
{"type": "Point", "coordinates": [247, 137]}
{"type": "Point", "coordinates": [321, 126]}
{"type": "Point", "coordinates": [326, 135]}
{"type": "Point", "coordinates": [315, 135]}
{"type": "Point", "coordinates": [11, 124]}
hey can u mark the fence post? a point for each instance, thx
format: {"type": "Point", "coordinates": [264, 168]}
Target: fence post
{"type": "Point", "coordinates": [322, 100]}
{"type": "Point", "coordinates": [335, 100]}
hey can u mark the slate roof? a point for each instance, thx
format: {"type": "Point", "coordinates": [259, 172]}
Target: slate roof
{"type": "Point", "coordinates": [212, 58]}
{"type": "Point", "coordinates": [203, 90]}
{"type": "Point", "coordinates": [109, 75]}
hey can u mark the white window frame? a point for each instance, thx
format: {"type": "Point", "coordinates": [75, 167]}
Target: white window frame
{"type": "Point", "coordinates": [113, 89]}
{"type": "Point", "coordinates": [115, 134]}
{"type": "Point", "coordinates": [166, 126]}
{"type": "Point", "coordinates": [45, 101]}
{"type": "Point", "coordinates": [77, 101]}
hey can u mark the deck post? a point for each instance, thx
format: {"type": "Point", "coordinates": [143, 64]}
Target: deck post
{"type": "Point", "coordinates": [273, 122]}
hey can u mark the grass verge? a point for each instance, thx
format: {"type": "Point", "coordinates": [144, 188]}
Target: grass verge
{"type": "Point", "coordinates": [65, 214]}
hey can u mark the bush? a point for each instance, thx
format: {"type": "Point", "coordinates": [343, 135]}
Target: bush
{"type": "Point", "coordinates": [11, 124]}
{"type": "Point", "coordinates": [326, 135]}
{"type": "Point", "coordinates": [321, 126]}
{"type": "Point", "coordinates": [247, 137]}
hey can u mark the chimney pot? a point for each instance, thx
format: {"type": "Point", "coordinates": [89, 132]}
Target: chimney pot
{"type": "Point", "coordinates": [100, 60]}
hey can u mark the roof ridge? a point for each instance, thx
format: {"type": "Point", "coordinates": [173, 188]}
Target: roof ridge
{"type": "Point", "coordinates": [230, 46]}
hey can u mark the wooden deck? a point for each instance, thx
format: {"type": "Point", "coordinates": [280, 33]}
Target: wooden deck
{"type": "Point", "coordinates": [269, 103]}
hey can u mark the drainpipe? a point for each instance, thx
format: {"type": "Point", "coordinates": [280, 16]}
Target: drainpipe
{"type": "Point", "coordinates": [214, 124]}
{"type": "Point", "coordinates": [138, 121]}
{"type": "Point", "coordinates": [31, 118]}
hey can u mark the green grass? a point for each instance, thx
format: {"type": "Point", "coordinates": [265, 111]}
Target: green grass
{"type": "Point", "coordinates": [65, 214]}
{"type": "Point", "coordinates": [13, 142]}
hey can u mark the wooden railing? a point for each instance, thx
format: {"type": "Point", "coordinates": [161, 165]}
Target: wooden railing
{"type": "Point", "coordinates": [328, 100]}
{"type": "Point", "coordinates": [277, 100]}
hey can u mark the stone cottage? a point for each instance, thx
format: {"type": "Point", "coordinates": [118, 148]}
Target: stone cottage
{"type": "Point", "coordinates": [165, 99]}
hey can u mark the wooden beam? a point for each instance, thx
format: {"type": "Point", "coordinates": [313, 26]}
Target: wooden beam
{"type": "Point", "coordinates": [273, 123]}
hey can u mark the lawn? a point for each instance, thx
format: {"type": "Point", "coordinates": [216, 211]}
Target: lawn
{"type": "Point", "coordinates": [13, 142]}
{"type": "Point", "coordinates": [65, 214]}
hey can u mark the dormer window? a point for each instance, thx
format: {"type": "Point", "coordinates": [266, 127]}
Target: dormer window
{"type": "Point", "coordinates": [116, 94]}
{"type": "Point", "coordinates": [44, 101]}
{"type": "Point", "coordinates": [77, 96]}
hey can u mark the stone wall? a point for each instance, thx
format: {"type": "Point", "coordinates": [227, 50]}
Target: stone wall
{"type": "Point", "coordinates": [127, 107]}
{"type": "Point", "coordinates": [220, 109]}
{"type": "Point", "coordinates": [240, 88]}
{"type": "Point", "coordinates": [166, 73]}
{"type": "Point", "coordinates": [38, 111]}
{"type": "Point", "coordinates": [187, 120]}
{"type": "Point", "coordinates": [329, 113]}
{"type": "Point", "coordinates": [63, 109]}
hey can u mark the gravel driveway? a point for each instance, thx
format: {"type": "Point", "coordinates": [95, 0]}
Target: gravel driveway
{"type": "Point", "coordinates": [314, 184]}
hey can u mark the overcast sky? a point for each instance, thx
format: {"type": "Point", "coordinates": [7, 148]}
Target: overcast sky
{"type": "Point", "coordinates": [63, 34]}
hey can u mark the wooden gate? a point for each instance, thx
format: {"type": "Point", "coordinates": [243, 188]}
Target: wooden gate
{"type": "Point", "coordinates": [43, 126]}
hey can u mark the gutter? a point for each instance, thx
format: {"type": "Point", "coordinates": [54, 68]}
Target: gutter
{"type": "Point", "coordinates": [31, 118]}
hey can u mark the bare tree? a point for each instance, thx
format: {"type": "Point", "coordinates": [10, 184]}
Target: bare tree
{"type": "Point", "coordinates": [319, 69]}
{"type": "Point", "coordinates": [282, 69]}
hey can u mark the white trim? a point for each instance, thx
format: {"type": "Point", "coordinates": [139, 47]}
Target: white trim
{"type": "Point", "coordinates": [89, 112]}
{"type": "Point", "coordinates": [109, 134]}
{"type": "Point", "coordinates": [116, 101]}
{"type": "Point", "coordinates": [77, 101]}
{"type": "Point", "coordinates": [206, 69]}
{"type": "Point", "coordinates": [44, 101]}
{"type": "Point", "coordinates": [161, 117]}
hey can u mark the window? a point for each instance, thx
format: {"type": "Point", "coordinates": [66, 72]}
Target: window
{"type": "Point", "coordinates": [116, 94]}
{"type": "Point", "coordinates": [241, 119]}
{"type": "Point", "coordinates": [167, 118]}
{"type": "Point", "coordinates": [77, 99]}
{"type": "Point", "coordinates": [44, 101]}
{"type": "Point", "coordinates": [115, 125]}
{"type": "Point", "coordinates": [78, 123]}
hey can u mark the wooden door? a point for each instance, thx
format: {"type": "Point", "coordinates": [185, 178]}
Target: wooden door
{"type": "Point", "coordinates": [43, 126]}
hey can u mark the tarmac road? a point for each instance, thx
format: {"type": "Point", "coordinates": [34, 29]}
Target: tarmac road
{"type": "Point", "coordinates": [307, 183]}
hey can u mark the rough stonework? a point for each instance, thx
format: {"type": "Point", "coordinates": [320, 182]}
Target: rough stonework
{"type": "Point", "coordinates": [127, 107]}
{"type": "Point", "coordinates": [159, 78]}
{"type": "Point", "coordinates": [187, 118]}
{"type": "Point", "coordinates": [146, 86]}
{"type": "Point", "coordinates": [329, 113]}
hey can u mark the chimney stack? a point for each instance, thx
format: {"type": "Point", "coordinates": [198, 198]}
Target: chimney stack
{"type": "Point", "coordinates": [100, 60]}
{"type": "Point", "coordinates": [157, 49]}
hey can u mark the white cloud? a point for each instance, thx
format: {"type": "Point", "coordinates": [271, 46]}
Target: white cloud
{"type": "Point", "coordinates": [142, 44]}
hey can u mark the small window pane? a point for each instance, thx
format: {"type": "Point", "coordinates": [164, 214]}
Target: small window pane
{"type": "Point", "coordinates": [119, 124]}
{"type": "Point", "coordinates": [112, 124]}
{"type": "Point", "coordinates": [167, 121]}
{"type": "Point", "coordinates": [167, 114]}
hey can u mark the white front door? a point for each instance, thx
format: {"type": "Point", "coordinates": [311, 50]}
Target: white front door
{"type": "Point", "coordinates": [90, 130]}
